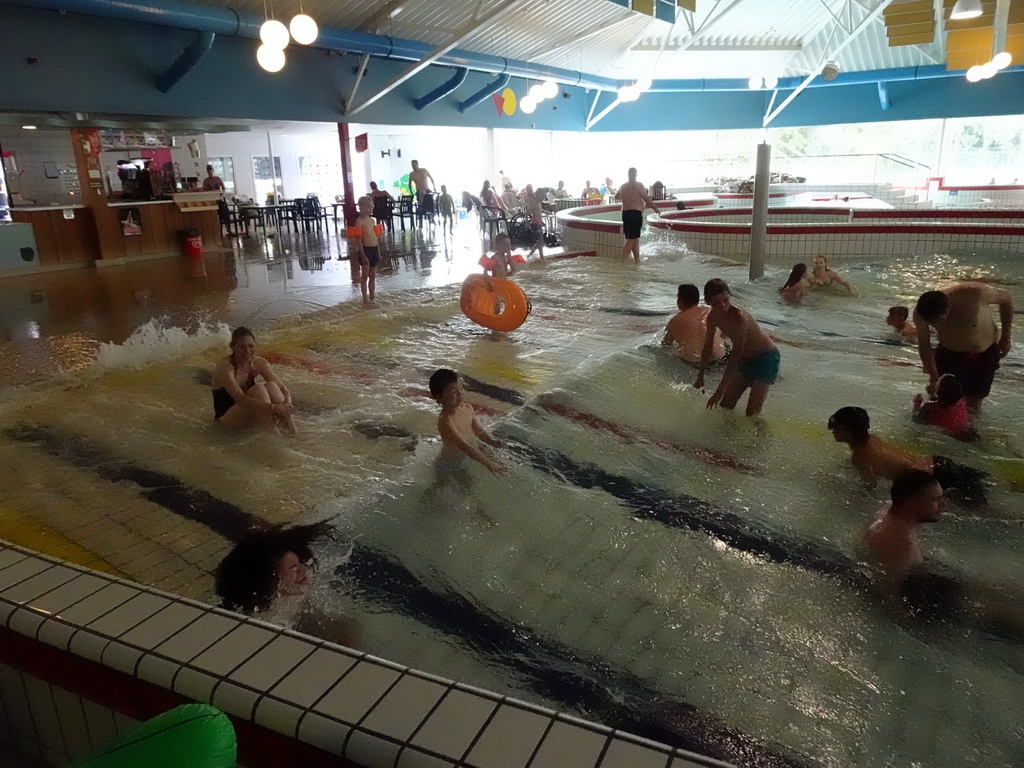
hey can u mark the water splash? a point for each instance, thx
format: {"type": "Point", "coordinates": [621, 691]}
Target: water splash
{"type": "Point", "coordinates": [155, 342]}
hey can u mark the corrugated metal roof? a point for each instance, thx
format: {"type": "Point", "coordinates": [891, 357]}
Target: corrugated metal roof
{"type": "Point", "coordinates": [724, 38]}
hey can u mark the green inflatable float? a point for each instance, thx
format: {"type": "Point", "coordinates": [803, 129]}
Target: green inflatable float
{"type": "Point", "coordinates": [192, 735]}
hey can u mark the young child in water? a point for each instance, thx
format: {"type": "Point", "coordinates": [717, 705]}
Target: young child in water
{"type": "Point", "coordinates": [946, 409]}
{"type": "Point", "coordinates": [500, 264]}
{"type": "Point", "coordinates": [898, 319]}
{"type": "Point", "coordinates": [457, 425]}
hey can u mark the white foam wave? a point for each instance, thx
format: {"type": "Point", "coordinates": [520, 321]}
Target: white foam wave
{"type": "Point", "coordinates": [155, 342]}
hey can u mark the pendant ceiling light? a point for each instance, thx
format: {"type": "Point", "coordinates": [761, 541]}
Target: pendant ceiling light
{"type": "Point", "coordinates": [303, 28]}
{"type": "Point", "coordinates": [274, 34]}
{"type": "Point", "coordinates": [965, 9]}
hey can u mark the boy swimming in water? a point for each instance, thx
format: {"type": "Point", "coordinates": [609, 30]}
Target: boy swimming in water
{"type": "Point", "coordinates": [457, 424]}
{"type": "Point", "coordinates": [899, 319]}
{"type": "Point", "coordinates": [873, 457]}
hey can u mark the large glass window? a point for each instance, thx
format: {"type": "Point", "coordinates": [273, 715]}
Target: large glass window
{"type": "Point", "coordinates": [267, 183]}
{"type": "Point", "coordinates": [225, 168]}
{"type": "Point", "coordinates": [320, 176]}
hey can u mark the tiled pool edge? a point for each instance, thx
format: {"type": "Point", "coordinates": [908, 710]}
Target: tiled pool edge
{"type": "Point", "coordinates": [837, 231]}
{"type": "Point", "coordinates": [75, 643]}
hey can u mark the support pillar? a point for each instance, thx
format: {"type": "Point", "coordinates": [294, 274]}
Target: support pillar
{"type": "Point", "coordinates": [759, 215]}
{"type": "Point", "coordinates": [349, 208]}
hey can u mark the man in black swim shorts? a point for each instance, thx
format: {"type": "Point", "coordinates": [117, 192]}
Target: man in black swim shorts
{"type": "Point", "coordinates": [635, 200]}
{"type": "Point", "coordinates": [970, 347]}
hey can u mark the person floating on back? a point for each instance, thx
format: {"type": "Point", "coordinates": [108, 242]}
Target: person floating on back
{"type": "Point", "coordinates": [753, 360]}
{"type": "Point", "coordinates": [873, 457]}
{"type": "Point", "coordinates": [688, 327]}
{"type": "Point", "coordinates": [969, 345]}
{"type": "Point", "coordinates": [899, 319]}
{"type": "Point", "coordinates": [369, 250]}
{"type": "Point", "coordinates": [457, 426]}
{"type": "Point", "coordinates": [239, 400]}
{"type": "Point", "coordinates": [946, 409]}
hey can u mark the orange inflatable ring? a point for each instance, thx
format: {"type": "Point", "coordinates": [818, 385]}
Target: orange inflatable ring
{"type": "Point", "coordinates": [494, 303]}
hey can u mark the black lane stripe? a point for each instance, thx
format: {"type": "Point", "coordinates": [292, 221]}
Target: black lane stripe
{"type": "Point", "coordinates": [584, 684]}
{"type": "Point", "coordinates": [510, 396]}
{"type": "Point", "coordinates": [677, 510]}
{"type": "Point", "coordinates": [165, 490]}
{"type": "Point", "coordinates": [617, 698]}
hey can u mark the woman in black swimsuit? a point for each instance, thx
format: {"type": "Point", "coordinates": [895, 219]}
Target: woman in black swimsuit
{"type": "Point", "coordinates": [239, 400]}
{"type": "Point", "coordinates": [823, 274]}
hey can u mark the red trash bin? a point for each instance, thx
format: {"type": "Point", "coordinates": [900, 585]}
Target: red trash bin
{"type": "Point", "coordinates": [192, 247]}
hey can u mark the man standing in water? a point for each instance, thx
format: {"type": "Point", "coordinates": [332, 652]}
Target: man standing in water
{"type": "Point", "coordinates": [635, 201]}
{"type": "Point", "coordinates": [418, 180]}
{"type": "Point", "coordinates": [969, 345]}
{"type": "Point", "coordinates": [753, 360]}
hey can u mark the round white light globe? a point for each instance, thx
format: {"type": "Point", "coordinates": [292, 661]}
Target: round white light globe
{"type": "Point", "coordinates": [274, 34]}
{"type": "Point", "coordinates": [644, 84]}
{"type": "Point", "coordinates": [303, 29]}
{"type": "Point", "coordinates": [988, 69]}
{"type": "Point", "coordinates": [771, 82]}
{"type": "Point", "coordinates": [974, 74]}
{"type": "Point", "coordinates": [754, 83]}
{"type": "Point", "coordinates": [537, 92]}
{"type": "Point", "coordinates": [550, 89]}
{"type": "Point", "coordinates": [1002, 60]}
{"type": "Point", "coordinates": [270, 58]}
{"type": "Point", "coordinates": [528, 104]}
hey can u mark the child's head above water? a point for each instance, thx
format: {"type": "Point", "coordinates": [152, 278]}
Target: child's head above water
{"type": "Point", "coordinates": [948, 390]}
{"type": "Point", "coordinates": [850, 420]}
{"type": "Point", "coordinates": [440, 381]}
{"type": "Point", "coordinates": [897, 316]}
{"type": "Point", "coordinates": [688, 295]}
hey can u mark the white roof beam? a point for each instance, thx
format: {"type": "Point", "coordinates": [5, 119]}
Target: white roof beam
{"type": "Point", "coordinates": [460, 35]}
{"type": "Point", "coordinates": [832, 53]}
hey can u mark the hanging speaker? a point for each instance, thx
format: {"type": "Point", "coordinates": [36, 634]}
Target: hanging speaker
{"type": "Point", "coordinates": [830, 71]}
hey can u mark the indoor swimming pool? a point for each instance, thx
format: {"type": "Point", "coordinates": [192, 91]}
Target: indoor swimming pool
{"type": "Point", "coordinates": [684, 574]}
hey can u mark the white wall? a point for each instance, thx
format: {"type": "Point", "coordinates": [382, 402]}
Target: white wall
{"type": "Point", "coordinates": [34, 148]}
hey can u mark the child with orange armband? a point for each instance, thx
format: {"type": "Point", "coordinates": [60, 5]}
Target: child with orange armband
{"type": "Point", "coordinates": [500, 264]}
{"type": "Point", "coordinates": [366, 232]}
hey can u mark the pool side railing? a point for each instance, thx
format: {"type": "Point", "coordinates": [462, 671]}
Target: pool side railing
{"type": "Point", "coordinates": [85, 656]}
{"type": "Point", "coordinates": [796, 233]}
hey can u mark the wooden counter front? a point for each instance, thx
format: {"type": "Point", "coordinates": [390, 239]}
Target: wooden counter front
{"type": "Point", "coordinates": [61, 241]}
{"type": "Point", "coordinates": [160, 221]}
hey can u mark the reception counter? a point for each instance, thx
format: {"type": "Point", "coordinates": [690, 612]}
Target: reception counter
{"type": "Point", "coordinates": [111, 232]}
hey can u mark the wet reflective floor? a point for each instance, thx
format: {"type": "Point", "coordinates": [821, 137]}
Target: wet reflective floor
{"type": "Point", "coordinates": [53, 321]}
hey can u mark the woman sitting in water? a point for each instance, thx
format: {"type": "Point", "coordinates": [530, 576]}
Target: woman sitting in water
{"type": "Point", "coordinates": [822, 274]}
{"type": "Point", "coordinates": [239, 400]}
{"type": "Point", "coordinates": [794, 287]}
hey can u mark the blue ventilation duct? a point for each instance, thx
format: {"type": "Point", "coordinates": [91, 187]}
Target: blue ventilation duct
{"type": "Point", "coordinates": [226, 21]}
{"type": "Point", "coordinates": [443, 89]}
{"type": "Point", "coordinates": [492, 87]}
{"type": "Point", "coordinates": [184, 63]}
